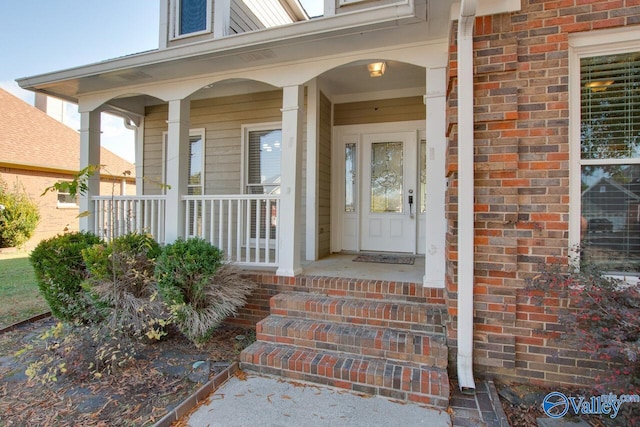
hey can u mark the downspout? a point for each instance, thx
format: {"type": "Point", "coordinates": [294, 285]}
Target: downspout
{"type": "Point", "coordinates": [465, 195]}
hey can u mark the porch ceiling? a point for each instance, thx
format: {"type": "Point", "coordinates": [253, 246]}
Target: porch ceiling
{"type": "Point", "coordinates": [297, 42]}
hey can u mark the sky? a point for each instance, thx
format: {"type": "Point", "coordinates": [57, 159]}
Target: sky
{"type": "Point", "coordinates": [42, 36]}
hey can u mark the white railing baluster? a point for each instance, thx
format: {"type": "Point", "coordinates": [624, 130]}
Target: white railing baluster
{"type": "Point", "coordinates": [211, 220]}
{"type": "Point", "coordinates": [258, 230]}
{"type": "Point", "coordinates": [153, 220]}
{"type": "Point", "coordinates": [247, 251]}
{"type": "Point", "coordinates": [118, 215]}
{"type": "Point", "coordinates": [220, 206]}
{"type": "Point", "coordinates": [139, 216]}
{"type": "Point", "coordinates": [239, 230]}
{"type": "Point", "coordinates": [228, 221]}
{"type": "Point", "coordinates": [267, 234]}
{"type": "Point", "coordinates": [277, 239]}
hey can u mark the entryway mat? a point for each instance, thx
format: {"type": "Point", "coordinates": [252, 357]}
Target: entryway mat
{"type": "Point", "coordinates": [385, 259]}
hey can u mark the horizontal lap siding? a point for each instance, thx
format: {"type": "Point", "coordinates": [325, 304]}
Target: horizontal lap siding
{"type": "Point", "coordinates": [380, 111]}
{"type": "Point", "coordinates": [155, 124]}
{"type": "Point", "coordinates": [222, 118]}
{"type": "Point", "coordinates": [324, 179]}
{"type": "Point", "coordinates": [242, 19]}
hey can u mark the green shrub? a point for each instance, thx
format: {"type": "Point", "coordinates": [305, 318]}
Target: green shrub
{"type": "Point", "coordinates": [99, 262]}
{"type": "Point", "coordinates": [199, 287]}
{"type": "Point", "coordinates": [60, 271]}
{"type": "Point", "coordinates": [18, 219]}
{"type": "Point", "coordinates": [121, 276]}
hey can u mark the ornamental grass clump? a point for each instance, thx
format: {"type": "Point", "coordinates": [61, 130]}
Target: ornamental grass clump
{"type": "Point", "coordinates": [200, 288]}
{"type": "Point", "coordinates": [121, 277]}
{"type": "Point", "coordinates": [60, 271]}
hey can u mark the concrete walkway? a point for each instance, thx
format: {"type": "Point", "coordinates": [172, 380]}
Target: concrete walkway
{"type": "Point", "coordinates": [262, 401]}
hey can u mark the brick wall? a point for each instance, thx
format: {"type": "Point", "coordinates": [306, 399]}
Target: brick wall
{"type": "Point", "coordinates": [270, 285]}
{"type": "Point", "coordinates": [521, 182]}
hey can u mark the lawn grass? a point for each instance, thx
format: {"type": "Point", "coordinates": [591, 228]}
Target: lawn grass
{"type": "Point", "coordinates": [19, 296]}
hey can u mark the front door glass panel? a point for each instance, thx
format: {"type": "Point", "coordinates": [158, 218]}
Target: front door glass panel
{"type": "Point", "coordinates": [386, 177]}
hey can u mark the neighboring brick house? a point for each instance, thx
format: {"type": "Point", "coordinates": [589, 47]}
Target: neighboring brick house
{"type": "Point", "coordinates": [278, 146]}
{"type": "Point", "coordinates": [36, 151]}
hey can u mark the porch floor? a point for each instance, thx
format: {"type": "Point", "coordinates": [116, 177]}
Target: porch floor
{"type": "Point", "coordinates": [342, 265]}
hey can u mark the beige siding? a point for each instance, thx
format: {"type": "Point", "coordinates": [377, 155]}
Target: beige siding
{"type": "Point", "coordinates": [155, 125]}
{"type": "Point", "coordinates": [380, 111]}
{"type": "Point", "coordinates": [242, 19]}
{"type": "Point", "coordinates": [324, 178]}
{"type": "Point", "coordinates": [222, 118]}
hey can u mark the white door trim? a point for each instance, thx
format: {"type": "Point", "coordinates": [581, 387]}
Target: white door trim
{"type": "Point", "coordinates": [355, 132]}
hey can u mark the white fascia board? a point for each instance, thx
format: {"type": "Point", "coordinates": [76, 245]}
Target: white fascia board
{"type": "Point", "coordinates": [488, 7]}
{"type": "Point", "coordinates": [315, 29]}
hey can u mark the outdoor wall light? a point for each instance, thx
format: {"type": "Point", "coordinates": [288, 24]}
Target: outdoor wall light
{"type": "Point", "coordinates": [376, 69]}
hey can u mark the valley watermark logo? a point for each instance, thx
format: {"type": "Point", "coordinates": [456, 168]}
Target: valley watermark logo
{"type": "Point", "coordinates": [556, 404]}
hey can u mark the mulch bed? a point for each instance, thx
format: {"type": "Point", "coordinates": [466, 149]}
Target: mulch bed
{"type": "Point", "coordinates": [162, 375]}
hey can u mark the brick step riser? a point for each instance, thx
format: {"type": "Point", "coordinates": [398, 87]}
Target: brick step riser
{"type": "Point", "coordinates": [351, 372]}
{"type": "Point", "coordinates": [371, 289]}
{"type": "Point", "coordinates": [384, 343]}
{"type": "Point", "coordinates": [422, 322]}
{"type": "Point", "coordinates": [365, 295]}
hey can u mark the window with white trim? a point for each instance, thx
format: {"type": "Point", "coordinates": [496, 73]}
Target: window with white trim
{"type": "Point", "coordinates": [609, 159]}
{"type": "Point", "coordinates": [195, 180]}
{"type": "Point", "coordinates": [190, 17]}
{"type": "Point", "coordinates": [196, 174]}
{"type": "Point", "coordinates": [195, 185]}
{"type": "Point", "coordinates": [66, 200]}
{"type": "Point", "coordinates": [262, 145]}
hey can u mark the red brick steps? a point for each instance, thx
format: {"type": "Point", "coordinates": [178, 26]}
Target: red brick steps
{"type": "Point", "coordinates": [379, 346]}
{"type": "Point", "coordinates": [389, 314]}
{"type": "Point", "coordinates": [390, 344]}
{"type": "Point", "coordinates": [370, 375]}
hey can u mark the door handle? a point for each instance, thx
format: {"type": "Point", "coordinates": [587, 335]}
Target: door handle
{"type": "Point", "coordinates": [411, 203]}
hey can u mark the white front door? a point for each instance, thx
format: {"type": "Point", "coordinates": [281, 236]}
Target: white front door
{"type": "Point", "coordinates": [388, 185]}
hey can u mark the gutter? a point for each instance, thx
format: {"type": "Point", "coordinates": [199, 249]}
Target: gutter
{"type": "Point", "coordinates": [465, 195]}
{"type": "Point", "coordinates": [61, 171]}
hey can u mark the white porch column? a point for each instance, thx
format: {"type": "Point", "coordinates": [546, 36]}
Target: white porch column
{"type": "Point", "coordinates": [290, 187]}
{"type": "Point", "coordinates": [436, 223]}
{"type": "Point", "coordinates": [139, 156]}
{"type": "Point", "coordinates": [313, 100]}
{"type": "Point", "coordinates": [177, 158]}
{"type": "Point", "coordinates": [89, 155]}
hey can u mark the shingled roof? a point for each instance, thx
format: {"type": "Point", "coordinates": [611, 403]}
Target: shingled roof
{"type": "Point", "coordinates": [30, 138]}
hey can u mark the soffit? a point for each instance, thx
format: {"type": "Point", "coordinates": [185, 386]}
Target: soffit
{"type": "Point", "coordinates": [244, 51]}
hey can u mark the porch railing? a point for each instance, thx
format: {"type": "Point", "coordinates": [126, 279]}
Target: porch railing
{"type": "Point", "coordinates": [119, 215]}
{"type": "Point", "coordinates": [245, 227]}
